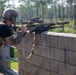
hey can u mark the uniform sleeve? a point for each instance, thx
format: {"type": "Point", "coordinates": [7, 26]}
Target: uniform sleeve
{"type": "Point", "coordinates": [5, 31]}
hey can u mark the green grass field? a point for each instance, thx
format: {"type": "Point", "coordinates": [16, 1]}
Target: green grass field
{"type": "Point", "coordinates": [13, 64]}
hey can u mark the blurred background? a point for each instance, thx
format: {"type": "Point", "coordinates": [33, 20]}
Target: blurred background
{"type": "Point", "coordinates": [48, 10]}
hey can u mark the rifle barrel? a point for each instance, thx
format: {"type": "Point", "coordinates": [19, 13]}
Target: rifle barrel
{"type": "Point", "coordinates": [50, 24]}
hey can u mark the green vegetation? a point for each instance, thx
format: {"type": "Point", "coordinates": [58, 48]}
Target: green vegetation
{"type": "Point", "coordinates": [68, 28]}
{"type": "Point", "coordinates": [14, 65]}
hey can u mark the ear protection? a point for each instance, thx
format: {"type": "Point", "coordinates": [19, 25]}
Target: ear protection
{"type": "Point", "coordinates": [13, 19]}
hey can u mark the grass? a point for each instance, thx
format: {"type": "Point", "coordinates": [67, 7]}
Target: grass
{"type": "Point", "coordinates": [13, 64]}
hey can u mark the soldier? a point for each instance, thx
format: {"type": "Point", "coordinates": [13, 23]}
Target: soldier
{"type": "Point", "coordinates": [6, 34]}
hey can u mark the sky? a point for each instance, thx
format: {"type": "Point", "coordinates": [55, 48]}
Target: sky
{"type": "Point", "coordinates": [17, 3]}
{"type": "Point", "coordinates": [14, 3]}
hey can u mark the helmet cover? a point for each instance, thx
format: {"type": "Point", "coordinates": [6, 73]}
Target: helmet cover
{"type": "Point", "coordinates": [9, 12]}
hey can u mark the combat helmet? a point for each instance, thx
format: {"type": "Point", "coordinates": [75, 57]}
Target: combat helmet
{"type": "Point", "coordinates": [10, 14]}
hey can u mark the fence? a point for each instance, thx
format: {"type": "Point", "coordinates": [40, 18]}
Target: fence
{"type": "Point", "coordinates": [5, 58]}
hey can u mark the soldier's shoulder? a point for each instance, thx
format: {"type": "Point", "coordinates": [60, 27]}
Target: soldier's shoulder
{"type": "Point", "coordinates": [2, 23]}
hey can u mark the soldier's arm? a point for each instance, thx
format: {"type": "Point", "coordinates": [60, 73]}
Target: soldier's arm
{"type": "Point", "coordinates": [15, 40]}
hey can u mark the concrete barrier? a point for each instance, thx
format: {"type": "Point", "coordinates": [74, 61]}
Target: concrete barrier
{"type": "Point", "coordinates": [53, 54]}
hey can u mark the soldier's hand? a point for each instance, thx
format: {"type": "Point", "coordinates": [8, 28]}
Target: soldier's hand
{"type": "Point", "coordinates": [24, 28]}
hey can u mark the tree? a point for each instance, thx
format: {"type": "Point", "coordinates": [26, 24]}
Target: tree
{"type": "Point", "coordinates": [2, 6]}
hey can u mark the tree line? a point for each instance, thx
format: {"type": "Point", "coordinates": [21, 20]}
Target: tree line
{"type": "Point", "coordinates": [48, 10]}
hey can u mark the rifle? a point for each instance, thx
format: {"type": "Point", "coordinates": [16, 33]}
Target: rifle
{"type": "Point", "coordinates": [36, 25]}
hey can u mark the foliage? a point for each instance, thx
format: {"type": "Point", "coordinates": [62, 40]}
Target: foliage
{"type": "Point", "coordinates": [69, 28]}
